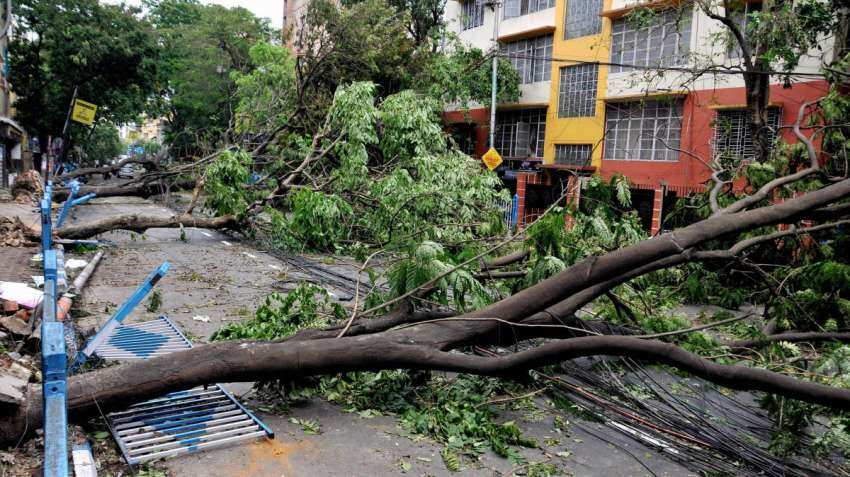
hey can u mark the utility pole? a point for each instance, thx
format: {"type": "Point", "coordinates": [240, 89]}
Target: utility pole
{"type": "Point", "coordinates": [64, 150]}
{"type": "Point", "coordinates": [493, 81]}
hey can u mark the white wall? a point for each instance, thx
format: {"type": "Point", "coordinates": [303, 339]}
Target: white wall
{"type": "Point", "coordinates": [706, 48]}
{"type": "Point", "coordinates": [482, 37]}
{"type": "Point", "coordinates": [530, 22]}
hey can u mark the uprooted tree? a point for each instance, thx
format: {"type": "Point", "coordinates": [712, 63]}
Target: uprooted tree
{"type": "Point", "coordinates": [543, 310]}
{"type": "Point", "coordinates": [370, 172]}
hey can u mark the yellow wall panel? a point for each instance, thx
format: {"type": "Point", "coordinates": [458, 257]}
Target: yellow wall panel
{"type": "Point", "coordinates": [584, 130]}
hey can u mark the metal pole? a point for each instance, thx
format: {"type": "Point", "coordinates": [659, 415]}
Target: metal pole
{"type": "Point", "coordinates": [64, 149]}
{"type": "Point", "coordinates": [493, 80]}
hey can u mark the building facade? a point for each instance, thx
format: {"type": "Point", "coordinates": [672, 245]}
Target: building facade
{"type": "Point", "coordinates": [13, 140]}
{"type": "Point", "coordinates": [603, 93]}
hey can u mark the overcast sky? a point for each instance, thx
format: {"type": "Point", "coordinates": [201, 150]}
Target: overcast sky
{"type": "Point", "coordinates": [271, 9]}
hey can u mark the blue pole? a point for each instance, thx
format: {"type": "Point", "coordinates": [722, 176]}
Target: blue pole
{"type": "Point", "coordinates": [54, 369]}
{"type": "Point", "coordinates": [514, 210]}
{"type": "Point", "coordinates": [74, 187]}
{"type": "Point", "coordinates": [119, 316]}
{"type": "Point", "coordinates": [82, 200]}
{"type": "Point", "coordinates": [46, 232]}
{"type": "Point", "coordinates": [46, 211]}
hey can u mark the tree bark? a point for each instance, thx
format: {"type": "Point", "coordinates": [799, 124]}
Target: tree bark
{"type": "Point", "coordinates": [138, 188]}
{"type": "Point", "coordinates": [140, 223]}
{"type": "Point", "coordinates": [88, 171]}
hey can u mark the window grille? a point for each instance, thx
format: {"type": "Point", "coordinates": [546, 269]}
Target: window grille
{"type": "Point", "coordinates": [643, 130]}
{"type": "Point", "coordinates": [471, 14]}
{"type": "Point", "coordinates": [532, 58]}
{"type": "Point", "coordinates": [582, 18]}
{"type": "Point", "coordinates": [521, 133]}
{"type": "Point", "coordinates": [732, 136]}
{"type": "Point", "coordinates": [517, 8]}
{"type": "Point", "coordinates": [577, 91]}
{"type": "Point", "coordinates": [664, 41]}
{"type": "Point", "coordinates": [578, 155]}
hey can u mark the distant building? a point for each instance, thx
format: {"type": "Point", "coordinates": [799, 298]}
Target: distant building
{"type": "Point", "coordinates": [151, 129]}
{"type": "Point", "coordinates": [577, 117]}
{"type": "Point", "coordinates": [13, 141]}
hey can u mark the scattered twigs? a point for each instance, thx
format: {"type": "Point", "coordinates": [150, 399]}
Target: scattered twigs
{"type": "Point", "coordinates": [791, 337]}
{"type": "Point", "coordinates": [357, 294]}
{"type": "Point", "coordinates": [695, 328]}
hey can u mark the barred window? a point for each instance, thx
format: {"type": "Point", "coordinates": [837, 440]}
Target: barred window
{"type": "Point", "coordinates": [582, 18]}
{"type": "Point", "coordinates": [471, 14]}
{"type": "Point", "coordinates": [517, 8]}
{"type": "Point", "coordinates": [521, 133]}
{"type": "Point", "coordinates": [532, 58]}
{"type": "Point", "coordinates": [643, 131]}
{"type": "Point", "coordinates": [573, 154]}
{"type": "Point", "coordinates": [732, 136]}
{"type": "Point", "coordinates": [664, 41]}
{"type": "Point", "coordinates": [577, 91]}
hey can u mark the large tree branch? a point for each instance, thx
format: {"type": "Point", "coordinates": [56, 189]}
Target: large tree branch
{"type": "Point", "coordinates": [791, 337]}
{"type": "Point", "coordinates": [107, 169]}
{"type": "Point", "coordinates": [734, 377]}
{"type": "Point", "coordinates": [766, 190]}
{"type": "Point", "coordinates": [140, 223]}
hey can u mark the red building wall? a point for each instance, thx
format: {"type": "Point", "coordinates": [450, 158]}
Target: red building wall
{"type": "Point", "coordinates": [480, 118]}
{"type": "Point", "coordinates": [699, 111]}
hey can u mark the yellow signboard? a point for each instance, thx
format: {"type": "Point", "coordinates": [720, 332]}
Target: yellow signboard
{"type": "Point", "coordinates": [84, 112]}
{"type": "Point", "coordinates": [491, 159]}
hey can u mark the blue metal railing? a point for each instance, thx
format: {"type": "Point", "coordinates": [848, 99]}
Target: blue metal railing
{"type": "Point", "coordinates": [53, 360]}
{"type": "Point", "coordinates": [72, 201]}
{"type": "Point", "coordinates": [122, 312]}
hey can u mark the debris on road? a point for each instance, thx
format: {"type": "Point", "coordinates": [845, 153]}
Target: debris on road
{"type": "Point", "coordinates": [201, 318]}
{"type": "Point", "coordinates": [13, 233]}
{"type": "Point", "coordinates": [75, 263]}
{"type": "Point", "coordinates": [21, 294]}
{"type": "Point", "coordinates": [28, 187]}
{"type": "Point", "coordinates": [14, 377]}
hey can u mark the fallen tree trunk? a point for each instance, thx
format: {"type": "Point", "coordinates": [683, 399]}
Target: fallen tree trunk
{"type": "Point", "coordinates": [140, 223]}
{"type": "Point", "coordinates": [120, 386]}
{"type": "Point", "coordinates": [137, 187]}
{"type": "Point", "coordinates": [429, 344]}
{"type": "Point", "coordinates": [509, 259]}
{"type": "Point", "coordinates": [109, 169]}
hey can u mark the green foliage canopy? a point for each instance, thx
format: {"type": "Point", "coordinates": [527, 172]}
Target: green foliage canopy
{"type": "Point", "coordinates": [106, 50]}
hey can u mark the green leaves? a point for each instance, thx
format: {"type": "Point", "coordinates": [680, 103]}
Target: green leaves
{"type": "Point", "coordinates": [320, 221]}
{"type": "Point", "coordinates": [411, 127]}
{"type": "Point", "coordinates": [266, 95]}
{"type": "Point", "coordinates": [428, 261]}
{"type": "Point", "coordinates": [457, 414]}
{"type": "Point", "coordinates": [225, 183]}
{"type": "Point", "coordinates": [281, 316]}
{"type": "Point", "coordinates": [105, 50]}
{"type": "Point", "coordinates": [450, 459]}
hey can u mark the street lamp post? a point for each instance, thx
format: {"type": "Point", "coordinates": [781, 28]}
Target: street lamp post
{"type": "Point", "coordinates": [494, 4]}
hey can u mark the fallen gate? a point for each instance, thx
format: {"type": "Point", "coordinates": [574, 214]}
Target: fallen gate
{"type": "Point", "coordinates": [178, 423]}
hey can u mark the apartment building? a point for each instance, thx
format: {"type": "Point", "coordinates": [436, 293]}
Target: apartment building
{"type": "Point", "coordinates": [12, 136]}
{"type": "Point", "coordinates": [595, 102]}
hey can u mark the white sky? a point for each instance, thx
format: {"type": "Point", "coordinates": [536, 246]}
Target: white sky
{"type": "Point", "coordinates": [271, 9]}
